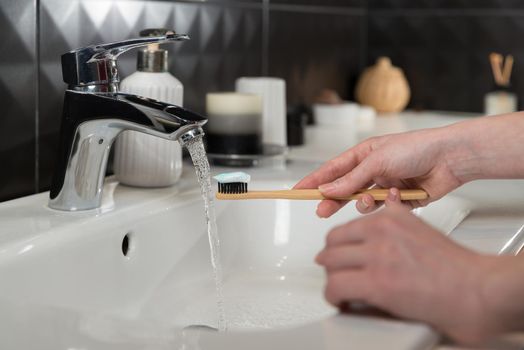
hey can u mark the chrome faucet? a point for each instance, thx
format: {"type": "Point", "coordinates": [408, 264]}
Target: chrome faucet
{"type": "Point", "coordinates": [95, 113]}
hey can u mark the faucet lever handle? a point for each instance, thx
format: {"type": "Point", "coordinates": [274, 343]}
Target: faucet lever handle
{"type": "Point", "coordinates": [113, 50]}
{"type": "Point", "coordinates": [95, 65]}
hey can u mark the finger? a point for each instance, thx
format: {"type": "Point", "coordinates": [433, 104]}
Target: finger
{"type": "Point", "coordinates": [352, 181]}
{"type": "Point", "coordinates": [393, 197]}
{"type": "Point", "coordinates": [413, 204]}
{"type": "Point", "coordinates": [351, 233]}
{"type": "Point", "coordinates": [363, 309]}
{"type": "Point", "coordinates": [331, 170]}
{"type": "Point", "coordinates": [347, 285]}
{"type": "Point", "coordinates": [343, 256]}
{"type": "Point", "coordinates": [366, 204]}
{"type": "Point", "coordinates": [394, 214]}
{"type": "Point", "coordinates": [328, 207]}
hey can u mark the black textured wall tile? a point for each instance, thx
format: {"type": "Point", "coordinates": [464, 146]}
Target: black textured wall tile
{"type": "Point", "coordinates": [402, 31]}
{"type": "Point", "coordinates": [228, 2]}
{"type": "Point", "coordinates": [451, 70]}
{"type": "Point", "coordinates": [229, 46]}
{"type": "Point", "coordinates": [496, 33]}
{"type": "Point", "coordinates": [339, 3]}
{"type": "Point", "coordinates": [17, 98]}
{"type": "Point", "coordinates": [446, 4]}
{"type": "Point", "coordinates": [315, 51]}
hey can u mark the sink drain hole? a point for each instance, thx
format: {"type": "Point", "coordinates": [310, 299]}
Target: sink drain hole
{"type": "Point", "coordinates": [127, 244]}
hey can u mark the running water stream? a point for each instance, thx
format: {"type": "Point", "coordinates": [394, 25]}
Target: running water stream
{"type": "Point", "coordinates": [196, 149]}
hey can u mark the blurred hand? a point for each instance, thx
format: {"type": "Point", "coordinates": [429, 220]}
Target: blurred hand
{"type": "Point", "coordinates": [420, 159]}
{"type": "Point", "coordinates": [394, 261]}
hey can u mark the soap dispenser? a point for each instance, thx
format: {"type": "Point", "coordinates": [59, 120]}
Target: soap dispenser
{"type": "Point", "coordinates": [143, 160]}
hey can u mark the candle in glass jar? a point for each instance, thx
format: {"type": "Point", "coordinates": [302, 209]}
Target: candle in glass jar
{"type": "Point", "coordinates": [234, 123]}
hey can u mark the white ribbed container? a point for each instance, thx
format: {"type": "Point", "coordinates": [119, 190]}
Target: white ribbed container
{"type": "Point", "coordinates": [144, 160]}
{"type": "Point", "coordinates": [273, 93]}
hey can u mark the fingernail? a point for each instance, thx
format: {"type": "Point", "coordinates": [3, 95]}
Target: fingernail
{"type": "Point", "coordinates": [367, 202]}
{"type": "Point", "coordinates": [326, 187]}
{"type": "Point", "coordinates": [392, 195]}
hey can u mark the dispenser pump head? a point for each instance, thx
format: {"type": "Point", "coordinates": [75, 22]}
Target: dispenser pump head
{"type": "Point", "coordinates": [152, 58]}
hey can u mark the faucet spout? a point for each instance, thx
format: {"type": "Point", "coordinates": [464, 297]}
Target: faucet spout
{"type": "Point", "coordinates": [90, 124]}
{"type": "Point", "coordinates": [95, 113]}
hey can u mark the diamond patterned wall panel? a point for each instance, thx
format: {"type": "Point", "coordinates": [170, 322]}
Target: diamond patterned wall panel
{"type": "Point", "coordinates": [17, 98]}
{"type": "Point", "coordinates": [313, 51]}
{"type": "Point", "coordinates": [226, 42]}
{"type": "Point", "coordinates": [445, 57]}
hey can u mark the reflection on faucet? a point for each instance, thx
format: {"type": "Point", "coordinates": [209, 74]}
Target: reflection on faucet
{"type": "Point", "coordinates": [90, 124]}
{"type": "Point", "coordinates": [95, 113]}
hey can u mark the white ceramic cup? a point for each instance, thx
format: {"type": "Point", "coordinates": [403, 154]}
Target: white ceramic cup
{"type": "Point", "coordinates": [273, 93]}
{"type": "Point", "coordinates": [336, 114]}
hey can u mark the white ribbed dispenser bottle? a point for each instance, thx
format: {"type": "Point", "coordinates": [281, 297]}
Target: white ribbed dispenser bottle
{"type": "Point", "coordinates": [143, 160]}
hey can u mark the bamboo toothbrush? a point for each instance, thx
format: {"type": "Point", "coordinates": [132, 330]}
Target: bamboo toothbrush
{"type": "Point", "coordinates": [233, 186]}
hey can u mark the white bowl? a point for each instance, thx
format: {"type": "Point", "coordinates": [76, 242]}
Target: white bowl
{"type": "Point", "coordinates": [335, 115]}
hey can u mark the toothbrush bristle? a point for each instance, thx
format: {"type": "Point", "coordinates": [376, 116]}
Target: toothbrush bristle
{"type": "Point", "coordinates": [232, 187]}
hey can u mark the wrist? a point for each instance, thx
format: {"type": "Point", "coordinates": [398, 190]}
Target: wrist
{"type": "Point", "coordinates": [487, 148]}
{"type": "Point", "coordinates": [488, 298]}
{"type": "Point", "coordinates": [501, 292]}
{"type": "Point", "coordinates": [458, 152]}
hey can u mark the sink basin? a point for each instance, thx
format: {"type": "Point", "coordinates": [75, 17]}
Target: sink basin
{"type": "Point", "coordinates": [138, 271]}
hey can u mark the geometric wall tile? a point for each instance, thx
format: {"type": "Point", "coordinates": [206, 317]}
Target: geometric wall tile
{"type": "Point", "coordinates": [17, 98]}
{"type": "Point", "coordinates": [314, 51]}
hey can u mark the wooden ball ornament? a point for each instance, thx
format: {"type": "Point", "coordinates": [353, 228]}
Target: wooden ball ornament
{"type": "Point", "coordinates": [383, 87]}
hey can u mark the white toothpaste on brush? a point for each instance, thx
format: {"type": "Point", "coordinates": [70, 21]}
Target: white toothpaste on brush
{"type": "Point", "coordinates": [236, 176]}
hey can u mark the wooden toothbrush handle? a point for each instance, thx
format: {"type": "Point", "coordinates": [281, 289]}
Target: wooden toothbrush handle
{"type": "Point", "coordinates": [378, 194]}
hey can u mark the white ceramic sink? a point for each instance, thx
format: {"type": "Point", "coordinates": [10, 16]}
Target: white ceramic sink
{"type": "Point", "coordinates": [66, 278]}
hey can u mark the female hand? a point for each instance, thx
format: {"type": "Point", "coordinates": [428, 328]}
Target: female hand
{"type": "Point", "coordinates": [436, 160]}
{"type": "Point", "coordinates": [394, 261]}
{"type": "Point", "coordinates": [421, 159]}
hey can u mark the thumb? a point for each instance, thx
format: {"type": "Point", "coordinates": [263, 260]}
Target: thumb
{"type": "Point", "coordinates": [353, 181]}
{"type": "Point", "coordinates": [393, 198]}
